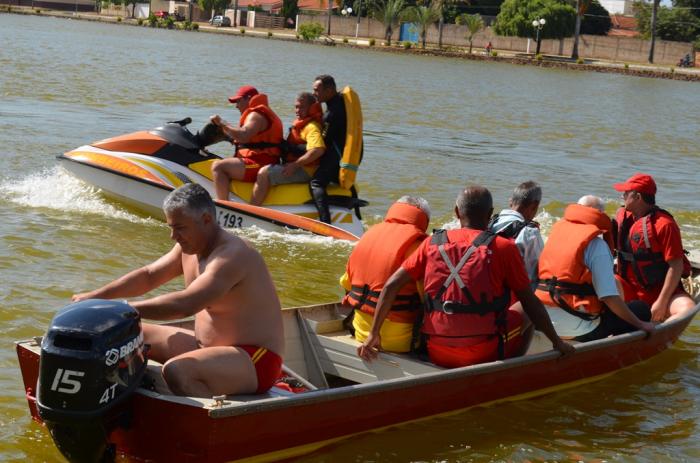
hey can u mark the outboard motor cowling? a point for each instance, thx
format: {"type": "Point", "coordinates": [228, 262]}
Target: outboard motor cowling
{"type": "Point", "coordinates": [92, 359]}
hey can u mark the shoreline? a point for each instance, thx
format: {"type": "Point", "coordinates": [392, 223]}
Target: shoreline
{"type": "Point", "coordinates": [553, 62]}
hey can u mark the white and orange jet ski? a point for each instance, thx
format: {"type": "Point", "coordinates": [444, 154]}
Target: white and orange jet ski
{"type": "Point", "coordinates": [141, 168]}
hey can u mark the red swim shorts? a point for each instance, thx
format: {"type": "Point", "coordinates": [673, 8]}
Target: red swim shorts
{"type": "Point", "coordinates": [254, 163]}
{"type": "Point", "coordinates": [268, 366]}
{"type": "Point", "coordinates": [448, 353]}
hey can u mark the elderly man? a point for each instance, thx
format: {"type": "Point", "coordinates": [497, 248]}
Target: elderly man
{"type": "Point", "coordinates": [258, 137]}
{"type": "Point", "coordinates": [237, 343]}
{"type": "Point", "coordinates": [468, 275]}
{"type": "Point", "coordinates": [577, 280]}
{"type": "Point", "coordinates": [651, 260]}
{"type": "Point", "coordinates": [517, 223]}
{"type": "Point", "coordinates": [377, 255]}
{"type": "Point", "coordinates": [305, 148]}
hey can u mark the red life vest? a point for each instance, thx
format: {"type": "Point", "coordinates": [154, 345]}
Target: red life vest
{"type": "Point", "coordinates": [460, 300]}
{"type": "Point", "coordinates": [379, 254]}
{"type": "Point", "coordinates": [639, 249]}
{"type": "Point", "coordinates": [564, 279]}
{"type": "Point", "coordinates": [296, 145]}
{"type": "Point", "coordinates": [268, 142]}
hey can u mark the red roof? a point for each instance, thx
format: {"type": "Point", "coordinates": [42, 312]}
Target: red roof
{"type": "Point", "coordinates": [270, 4]}
{"type": "Point", "coordinates": [623, 22]}
{"type": "Point", "coordinates": [315, 5]}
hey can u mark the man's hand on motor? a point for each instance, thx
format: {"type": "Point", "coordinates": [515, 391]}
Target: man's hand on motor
{"type": "Point", "coordinates": [369, 350]}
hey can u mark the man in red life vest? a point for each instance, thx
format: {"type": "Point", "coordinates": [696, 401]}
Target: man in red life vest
{"type": "Point", "coordinates": [257, 137]}
{"type": "Point", "coordinates": [467, 274]}
{"type": "Point", "coordinates": [650, 256]}
{"type": "Point", "coordinates": [305, 147]}
{"type": "Point", "coordinates": [377, 255]}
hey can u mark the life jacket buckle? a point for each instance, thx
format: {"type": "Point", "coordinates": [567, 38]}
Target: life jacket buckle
{"type": "Point", "coordinates": [449, 307]}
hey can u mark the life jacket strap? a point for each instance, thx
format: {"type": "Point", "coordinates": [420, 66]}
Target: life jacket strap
{"type": "Point", "coordinates": [402, 302]}
{"type": "Point", "coordinates": [259, 145]}
{"type": "Point", "coordinates": [499, 304]}
{"type": "Point", "coordinates": [557, 288]}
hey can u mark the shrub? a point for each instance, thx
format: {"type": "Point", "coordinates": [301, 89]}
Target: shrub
{"type": "Point", "coordinates": [242, 31]}
{"type": "Point", "coordinates": [297, 36]}
{"type": "Point", "coordinates": [38, 11]}
{"type": "Point", "coordinates": [372, 42]}
{"type": "Point", "coordinates": [406, 45]}
{"type": "Point", "coordinates": [627, 66]}
{"type": "Point", "coordinates": [119, 19]}
{"type": "Point", "coordinates": [269, 34]}
{"type": "Point", "coordinates": [139, 21]}
{"type": "Point", "coordinates": [311, 31]}
{"type": "Point", "coordinates": [195, 27]}
{"type": "Point", "coordinates": [494, 53]}
{"type": "Point", "coordinates": [345, 40]}
{"type": "Point", "coordinates": [152, 20]}
{"type": "Point", "coordinates": [169, 22]}
{"type": "Point", "coordinates": [579, 61]}
{"type": "Point", "coordinates": [671, 70]}
{"type": "Point", "coordinates": [188, 25]}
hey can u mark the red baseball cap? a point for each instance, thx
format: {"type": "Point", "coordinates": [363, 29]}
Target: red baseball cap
{"type": "Point", "coordinates": [243, 92]}
{"type": "Point", "coordinates": [641, 183]}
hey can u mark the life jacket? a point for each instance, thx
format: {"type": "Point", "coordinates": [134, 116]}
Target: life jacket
{"type": "Point", "coordinates": [513, 229]}
{"type": "Point", "coordinates": [639, 249]}
{"type": "Point", "coordinates": [296, 145]}
{"type": "Point", "coordinates": [268, 142]}
{"type": "Point", "coordinates": [379, 254]}
{"type": "Point", "coordinates": [460, 299]}
{"type": "Point", "coordinates": [564, 279]}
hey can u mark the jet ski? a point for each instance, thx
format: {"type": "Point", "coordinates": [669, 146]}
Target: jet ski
{"type": "Point", "coordinates": [141, 168]}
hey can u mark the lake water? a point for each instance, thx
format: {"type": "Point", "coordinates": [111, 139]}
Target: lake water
{"type": "Point", "coordinates": [432, 126]}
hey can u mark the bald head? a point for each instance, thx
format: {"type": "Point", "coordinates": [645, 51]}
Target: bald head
{"type": "Point", "coordinates": [474, 207]}
{"type": "Point", "coordinates": [592, 201]}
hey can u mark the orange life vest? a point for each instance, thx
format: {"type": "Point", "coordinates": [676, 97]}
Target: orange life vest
{"type": "Point", "coordinates": [564, 280]}
{"type": "Point", "coordinates": [379, 254]}
{"type": "Point", "coordinates": [460, 298]}
{"type": "Point", "coordinates": [638, 248]}
{"type": "Point", "coordinates": [296, 145]}
{"type": "Point", "coordinates": [268, 142]}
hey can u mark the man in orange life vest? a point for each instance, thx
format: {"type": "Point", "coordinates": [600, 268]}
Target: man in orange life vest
{"type": "Point", "coordinates": [577, 281]}
{"type": "Point", "coordinates": [468, 274]}
{"type": "Point", "coordinates": [257, 138]}
{"type": "Point", "coordinates": [650, 256]}
{"type": "Point", "coordinates": [305, 147]}
{"type": "Point", "coordinates": [375, 258]}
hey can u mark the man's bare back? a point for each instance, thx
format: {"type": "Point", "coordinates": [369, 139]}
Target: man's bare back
{"type": "Point", "coordinates": [237, 344]}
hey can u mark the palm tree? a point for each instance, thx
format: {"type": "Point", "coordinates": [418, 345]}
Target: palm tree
{"type": "Point", "coordinates": [423, 16]}
{"type": "Point", "coordinates": [388, 13]}
{"type": "Point", "coordinates": [441, 7]}
{"type": "Point", "coordinates": [654, 11]}
{"type": "Point", "coordinates": [581, 7]}
{"type": "Point", "coordinates": [474, 24]}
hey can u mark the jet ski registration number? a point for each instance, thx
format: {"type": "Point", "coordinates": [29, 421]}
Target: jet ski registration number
{"type": "Point", "coordinates": [228, 220]}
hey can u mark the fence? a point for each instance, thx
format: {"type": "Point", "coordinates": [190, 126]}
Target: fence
{"type": "Point", "coordinates": [590, 46]}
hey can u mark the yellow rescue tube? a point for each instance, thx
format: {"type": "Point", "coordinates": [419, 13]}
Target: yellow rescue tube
{"type": "Point", "coordinates": [352, 153]}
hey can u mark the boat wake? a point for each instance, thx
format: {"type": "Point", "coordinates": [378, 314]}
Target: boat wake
{"type": "Point", "coordinates": [56, 189]}
{"type": "Point", "coordinates": [297, 237]}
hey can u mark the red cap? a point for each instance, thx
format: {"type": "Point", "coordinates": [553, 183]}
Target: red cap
{"type": "Point", "coordinates": [641, 183]}
{"type": "Point", "coordinates": [243, 92]}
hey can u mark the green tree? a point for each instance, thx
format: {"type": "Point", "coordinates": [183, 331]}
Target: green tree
{"type": "Point", "coordinates": [388, 13]}
{"type": "Point", "coordinates": [597, 20]}
{"type": "Point", "coordinates": [516, 16]}
{"type": "Point", "coordinates": [446, 10]}
{"type": "Point", "coordinates": [213, 6]}
{"type": "Point", "coordinates": [474, 23]}
{"type": "Point", "coordinates": [673, 24]}
{"type": "Point", "coordinates": [423, 17]}
{"type": "Point", "coordinates": [290, 9]}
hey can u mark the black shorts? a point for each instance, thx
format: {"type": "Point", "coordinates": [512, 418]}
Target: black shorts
{"type": "Point", "coordinates": [611, 324]}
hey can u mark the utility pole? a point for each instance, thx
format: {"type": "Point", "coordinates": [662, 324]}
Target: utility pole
{"type": "Point", "coordinates": [653, 30]}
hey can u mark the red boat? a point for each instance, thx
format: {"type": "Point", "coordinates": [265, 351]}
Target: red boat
{"type": "Point", "coordinates": [393, 389]}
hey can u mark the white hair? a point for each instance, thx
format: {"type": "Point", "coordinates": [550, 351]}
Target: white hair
{"type": "Point", "coordinates": [592, 201]}
{"type": "Point", "coordinates": [417, 201]}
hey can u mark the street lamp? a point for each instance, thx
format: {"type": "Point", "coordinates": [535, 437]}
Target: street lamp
{"type": "Point", "coordinates": [357, 27]}
{"type": "Point", "coordinates": [538, 24]}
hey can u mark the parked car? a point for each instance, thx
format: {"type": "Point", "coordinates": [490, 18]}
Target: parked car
{"type": "Point", "coordinates": [161, 14]}
{"type": "Point", "coordinates": [178, 17]}
{"type": "Point", "coordinates": [220, 21]}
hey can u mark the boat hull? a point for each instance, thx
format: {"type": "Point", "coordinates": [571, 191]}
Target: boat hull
{"type": "Point", "coordinates": [274, 428]}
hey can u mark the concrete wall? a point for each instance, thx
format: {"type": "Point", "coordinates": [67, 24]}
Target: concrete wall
{"type": "Point", "coordinates": [590, 46]}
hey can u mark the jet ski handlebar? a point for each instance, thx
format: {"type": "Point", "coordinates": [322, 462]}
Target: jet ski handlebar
{"type": "Point", "coordinates": [181, 122]}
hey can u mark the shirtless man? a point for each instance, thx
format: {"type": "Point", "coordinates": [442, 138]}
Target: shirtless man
{"type": "Point", "coordinates": [237, 343]}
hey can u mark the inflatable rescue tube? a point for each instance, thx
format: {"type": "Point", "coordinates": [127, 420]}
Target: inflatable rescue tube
{"type": "Point", "coordinates": [352, 153]}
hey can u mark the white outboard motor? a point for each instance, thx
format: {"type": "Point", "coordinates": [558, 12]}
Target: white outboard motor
{"type": "Point", "coordinates": [92, 359]}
